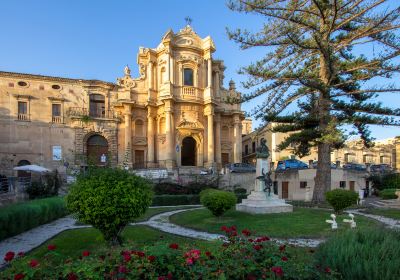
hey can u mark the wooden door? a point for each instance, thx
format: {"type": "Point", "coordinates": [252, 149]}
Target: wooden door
{"type": "Point", "coordinates": [285, 190]}
{"type": "Point", "coordinates": [139, 158]}
{"type": "Point", "coordinates": [352, 185]}
{"type": "Point", "coordinates": [225, 159]}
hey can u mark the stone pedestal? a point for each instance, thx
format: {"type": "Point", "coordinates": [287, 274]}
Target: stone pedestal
{"type": "Point", "coordinates": [259, 202]}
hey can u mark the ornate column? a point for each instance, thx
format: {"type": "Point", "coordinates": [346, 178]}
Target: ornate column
{"type": "Point", "coordinates": [218, 140]}
{"type": "Point", "coordinates": [237, 134]}
{"type": "Point", "coordinates": [150, 137]}
{"type": "Point", "coordinates": [217, 85]}
{"type": "Point", "coordinates": [128, 135]}
{"type": "Point", "coordinates": [209, 73]}
{"type": "Point", "coordinates": [170, 159]}
{"type": "Point", "coordinates": [209, 112]}
{"type": "Point", "coordinates": [150, 75]}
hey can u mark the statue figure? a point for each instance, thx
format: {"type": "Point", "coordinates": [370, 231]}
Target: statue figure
{"type": "Point", "coordinates": [266, 177]}
{"type": "Point", "coordinates": [127, 71]}
{"type": "Point", "coordinates": [263, 151]}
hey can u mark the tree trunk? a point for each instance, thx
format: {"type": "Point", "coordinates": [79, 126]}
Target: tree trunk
{"type": "Point", "coordinates": [323, 176]}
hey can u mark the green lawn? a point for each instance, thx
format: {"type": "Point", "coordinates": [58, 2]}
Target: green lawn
{"type": "Point", "coordinates": [389, 213]}
{"type": "Point", "coordinates": [303, 222]}
{"type": "Point", "coordinates": [71, 243]}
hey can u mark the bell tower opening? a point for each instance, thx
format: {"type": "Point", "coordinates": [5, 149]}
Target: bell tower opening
{"type": "Point", "coordinates": [188, 155]}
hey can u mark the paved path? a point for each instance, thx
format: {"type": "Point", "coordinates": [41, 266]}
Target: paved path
{"type": "Point", "coordinates": [33, 238]}
{"type": "Point", "coordinates": [389, 222]}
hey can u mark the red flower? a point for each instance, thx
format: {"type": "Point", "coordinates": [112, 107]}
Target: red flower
{"type": "Point", "coordinates": [122, 269]}
{"type": "Point", "coordinates": [21, 254]}
{"type": "Point", "coordinates": [282, 248]}
{"type": "Point", "coordinates": [51, 247]}
{"type": "Point", "coordinates": [257, 247]}
{"type": "Point", "coordinates": [19, 276]}
{"type": "Point", "coordinates": [208, 254]}
{"type": "Point", "coordinates": [250, 240]}
{"type": "Point", "coordinates": [86, 253]}
{"type": "Point", "coordinates": [224, 228]}
{"type": "Point", "coordinates": [285, 259]}
{"type": "Point", "coordinates": [277, 270]}
{"type": "Point", "coordinates": [169, 276]}
{"type": "Point", "coordinates": [251, 277]}
{"type": "Point", "coordinates": [127, 257]}
{"type": "Point", "coordinates": [233, 228]}
{"type": "Point", "coordinates": [33, 263]}
{"type": "Point", "coordinates": [246, 232]}
{"type": "Point", "coordinates": [72, 276]}
{"type": "Point", "coordinates": [102, 257]}
{"type": "Point", "coordinates": [174, 246]}
{"type": "Point", "coordinates": [189, 261]}
{"type": "Point", "coordinates": [327, 270]}
{"type": "Point", "coordinates": [138, 253]}
{"type": "Point", "coordinates": [161, 278]}
{"type": "Point", "coordinates": [9, 256]}
{"type": "Point", "coordinates": [151, 258]}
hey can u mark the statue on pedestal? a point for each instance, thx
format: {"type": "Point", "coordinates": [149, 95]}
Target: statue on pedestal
{"type": "Point", "coordinates": [262, 151]}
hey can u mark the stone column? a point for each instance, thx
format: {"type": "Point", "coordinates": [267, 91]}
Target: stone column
{"type": "Point", "coordinates": [169, 135]}
{"type": "Point", "coordinates": [150, 138]}
{"type": "Point", "coordinates": [218, 140]}
{"type": "Point", "coordinates": [150, 75]}
{"type": "Point", "coordinates": [168, 69]}
{"type": "Point", "coordinates": [128, 135]}
{"type": "Point", "coordinates": [237, 134]}
{"type": "Point", "coordinates": [209, 73]}
{"type": "Point", "coordinates": [210, 138]}
{"type": "Point", "coordinates": [217, 85]}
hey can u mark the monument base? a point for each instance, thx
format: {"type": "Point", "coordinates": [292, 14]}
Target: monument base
{"type": "Point", "coordinates": [259, 203]}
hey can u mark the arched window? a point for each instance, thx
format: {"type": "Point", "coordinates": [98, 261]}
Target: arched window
{"type": "Point", "coordinates": [188, 77]}
{"type": "Point", "coordinates": [162, 126]}
{"type": "Point", "coordinates": [139, 128]}
{"type": "Point", "coordinates": [225, 132]}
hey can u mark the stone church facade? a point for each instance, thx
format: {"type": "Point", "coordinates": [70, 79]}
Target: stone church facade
{"type": "Point", "coordinates": [174, 114]}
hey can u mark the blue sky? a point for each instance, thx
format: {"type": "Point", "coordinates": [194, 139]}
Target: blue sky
{"type": "Point", "coordinates": [96, 39]}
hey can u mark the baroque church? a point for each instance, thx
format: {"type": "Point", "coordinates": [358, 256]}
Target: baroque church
{"type": "Point", "coordinates": [174, 114]}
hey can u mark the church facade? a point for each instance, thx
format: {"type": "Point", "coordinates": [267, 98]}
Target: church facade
{"type": "Point", "coordinates": [174, 114]}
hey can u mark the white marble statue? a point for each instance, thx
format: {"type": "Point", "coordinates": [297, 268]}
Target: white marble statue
{"type": "Point", "coordinates": [332, 222]}
{"type": "Point", "coordinates": [352, 223]}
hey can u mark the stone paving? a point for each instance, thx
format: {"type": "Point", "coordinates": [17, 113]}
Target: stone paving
{"type": "Point", "coordinates": [33, 238]}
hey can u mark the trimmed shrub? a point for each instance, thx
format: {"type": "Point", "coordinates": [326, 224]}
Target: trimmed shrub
{"type": "Point", "coordinates": [184, 199]}
{"type": "Point", "coordinates": [109, 199]}
{"type": "Point", "coordinates": [362, 254]}
{"type": "Point", "coordinates": [177, 189]}
{"type": "Point", "coordinates": [218, 202]}
{"type": "Point", "coordinates": [385, 181]}
{"type": "Point", "coordinates": [240, 191]}
{"type": "Point", "coordinates": [340, 199]}
{"type": "Point", "coordinates": [17, 218]}
{"type": "Point", "coordinates": [388, 194]}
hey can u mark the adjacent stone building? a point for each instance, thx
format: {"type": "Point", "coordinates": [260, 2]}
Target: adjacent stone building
{"type": "Point", "coordinates": [173, 115]}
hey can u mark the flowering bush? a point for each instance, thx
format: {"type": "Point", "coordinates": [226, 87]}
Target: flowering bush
{"type": "Point", "coordinates": [241, 256]}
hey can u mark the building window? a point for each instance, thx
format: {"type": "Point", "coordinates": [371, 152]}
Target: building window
{"type": "Point", "coordinates": [368, 158]}
{"type": "Point", "coordinates": [11, 84]}
{"type": "Point", "coordinates": [139, 127]}
{"type": "Point", "coordinates": [253, 147]}
{"type": "Point", "coordinates": [97, 106]}
{"type": "Point", "coordinates": [56, 113]}
{"type": "Point", "coordinates": [246, 149]}
{"type": "Point", "coordinates": [342, 184]}
{"type": "Point", "coordinates": [303, 185]}
{"type": "Point", "coordinates": [348, 158]}
{"type": "Point", "coordinates": [23, 111]}
{"type": "Point", "coordinates": [188, 77]}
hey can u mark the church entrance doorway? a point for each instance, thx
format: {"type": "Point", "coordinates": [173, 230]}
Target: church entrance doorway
{"type": "Point", "coordinates": [97, 150]}
{"type": "Point", "coordinates": [188, 154]}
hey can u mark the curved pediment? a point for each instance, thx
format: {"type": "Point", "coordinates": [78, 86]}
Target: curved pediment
{"type": "Point", "coordinates": [190, 125]}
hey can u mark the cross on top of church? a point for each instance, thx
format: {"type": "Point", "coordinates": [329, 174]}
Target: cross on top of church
{"type": "Point", "coordinates": [188, 20]}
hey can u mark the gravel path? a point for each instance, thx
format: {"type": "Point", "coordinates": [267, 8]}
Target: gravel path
{"type": "Point", "coordinates": [33, 238]}
{"type": "Point", "coordinates": [389, 222]}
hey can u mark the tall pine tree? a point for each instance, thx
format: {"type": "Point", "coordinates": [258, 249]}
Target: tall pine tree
{"type": "Point", "coordinates": [314, 57]}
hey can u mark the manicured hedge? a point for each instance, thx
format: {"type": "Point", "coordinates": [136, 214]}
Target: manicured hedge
{"type": "Point", "coordinates": [172, 200]}
{"type": "Point", "coordinates": [17, 218]}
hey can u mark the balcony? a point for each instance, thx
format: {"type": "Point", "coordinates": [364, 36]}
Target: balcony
{"type": "Point", "coordinates": [23, 117]}
{"type": "Point", "coordinates": [56, 119]}
{"type": "Point", "coordinates": [190, 93]}
{"type": "Point", "coordinates": [97, 113]}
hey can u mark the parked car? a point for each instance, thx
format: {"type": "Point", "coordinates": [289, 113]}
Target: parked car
{"type": "Point", "coordinates": [315, 164]}
{"type": "Point", "coordinates": [291, 164]}
{"type": "Point", "coordinates": [355, 166]}
{"type": "Point", "coordinates": [240, 167]}
{"type": "Point", "coordinates": [380, 168]}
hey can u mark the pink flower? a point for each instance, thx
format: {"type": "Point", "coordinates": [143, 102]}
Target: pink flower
{"type": "Point", "coordinates": [138, 253]}
{"type": "Point", "coordinates": [33, 263]}
{"type": "Point", "coordinates": [51, 247]}
{"type": "Point", "coordinates": [86, 253]}
{"type": "Point", "coordinates": [246, 232]}
{"type": "Point", "coordinates": [151, 258]}
{"type": "Point", "coordinates": [19, 276]}
{"type": "Point", "coordinates": [257, 247]}
{"type": "Point", "coordinates": [189, 261]}
{"type": "Point", "coordinates": [174, 246]}
{"type": "Point", "coordinates": [127, 257]}
{"type": "Point", "coordinates": [161, 278]}
{"type": "Point", "coordinates": [122, 269]}
{"type": "Point", "coordinates": [9, 256]}
{"type": "Point", "coordinates": [277, 270]}
{"type": "Point", "coordinates": [285, 259]}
